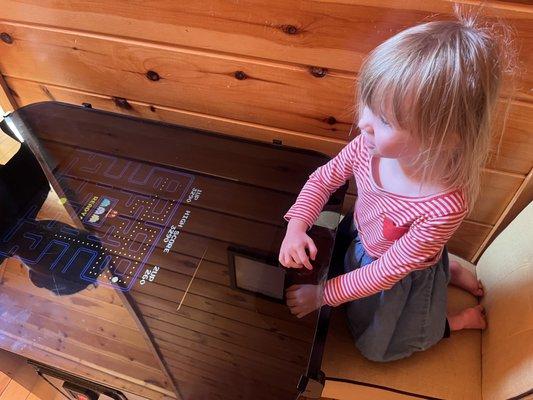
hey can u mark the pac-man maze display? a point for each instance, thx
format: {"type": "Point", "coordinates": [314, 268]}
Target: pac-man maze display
{"type": "Point", "coordinates": [126, 205]}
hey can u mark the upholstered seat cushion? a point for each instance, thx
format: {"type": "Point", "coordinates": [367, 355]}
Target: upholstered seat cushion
{"type": "Point", "coordinates": [449, 370]}
{"type": "Point", "coordinates": [506, 269]}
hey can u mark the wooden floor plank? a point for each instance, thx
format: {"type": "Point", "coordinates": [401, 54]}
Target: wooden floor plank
{"type": "Point", "coordinates": [43, 390]}
{"type": "Point", "coordinates": [4, 380]}
{"type": "Point", "coordinates": [22, 378]}
{"type": "Point", "coordinates": [15, 390]}
{"type": "Point", "coordinates": [92, 306]}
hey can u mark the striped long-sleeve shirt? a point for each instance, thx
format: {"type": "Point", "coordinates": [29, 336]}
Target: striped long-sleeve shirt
{"type": "Point", "coordinates": [402, 233]}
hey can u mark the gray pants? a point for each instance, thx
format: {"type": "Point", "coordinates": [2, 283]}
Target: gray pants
{"type": "Point", "coordinates": [409, 317]}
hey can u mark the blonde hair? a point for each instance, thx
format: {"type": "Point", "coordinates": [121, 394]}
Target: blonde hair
{"type": "Point", "coordinates": [440, 81]}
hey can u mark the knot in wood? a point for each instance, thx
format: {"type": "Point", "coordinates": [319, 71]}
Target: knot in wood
{"type": "Point", "coordinates": [318, 72]}
{"type": "Point", "coordinates": [153, 76]}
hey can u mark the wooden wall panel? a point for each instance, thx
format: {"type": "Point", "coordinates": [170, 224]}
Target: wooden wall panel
{"type": "Point", "coordinates": [513, 151]}
{"type": "Point", "coordinates": [467, 239]}
{"type": "Point", "coordinates": [281, 96]}
{"type": "Point", "coordinates": [334, 34]}
{"type": "Point", "coordinates": [497, 189]}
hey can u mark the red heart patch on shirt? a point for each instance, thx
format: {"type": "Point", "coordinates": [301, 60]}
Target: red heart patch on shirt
{"type": "Point", "coordinates": [391, 231]}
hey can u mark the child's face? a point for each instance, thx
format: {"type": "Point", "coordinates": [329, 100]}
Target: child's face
{"type": "Point", "coordinates": [383, 139]}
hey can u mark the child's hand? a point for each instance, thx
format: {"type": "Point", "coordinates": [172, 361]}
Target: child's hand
{"type": "Point", "coordinates": [293, 249]}
{"type": "Point", "coordinates": [304, 299]}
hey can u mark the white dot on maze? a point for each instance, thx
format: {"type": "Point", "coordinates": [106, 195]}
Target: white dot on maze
{"type": "Point", "coordinates": [114, 279]}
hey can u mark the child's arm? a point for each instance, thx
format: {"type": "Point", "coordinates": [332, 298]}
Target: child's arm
{"type": "Point", "coordinates": [419, 248]}
{"type": "Point", "coordinates": [324, 181]}
{"type": "Point", "coordinates": [314, 195]}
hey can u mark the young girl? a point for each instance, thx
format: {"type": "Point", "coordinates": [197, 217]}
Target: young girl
{"type": "Point", "coordinates": [426, 97]}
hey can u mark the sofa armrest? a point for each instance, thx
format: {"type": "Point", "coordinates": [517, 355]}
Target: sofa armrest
{"type": "Point", "coordinates": [506, 270]}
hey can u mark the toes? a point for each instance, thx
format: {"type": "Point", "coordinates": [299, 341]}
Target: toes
{"type": "Point", "coordinates": [482, 311]}
{"type": "Point", "coordinates": [480, 290]}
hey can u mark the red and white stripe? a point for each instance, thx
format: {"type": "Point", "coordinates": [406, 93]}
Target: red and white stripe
{"type": "Point", "coordinates": [431, 221]}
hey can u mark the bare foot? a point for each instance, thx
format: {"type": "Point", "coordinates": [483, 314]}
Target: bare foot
{"type": "Point", "coordinates": [469, 318]}
{"type": "Point", "coordinates": [465, 279]}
